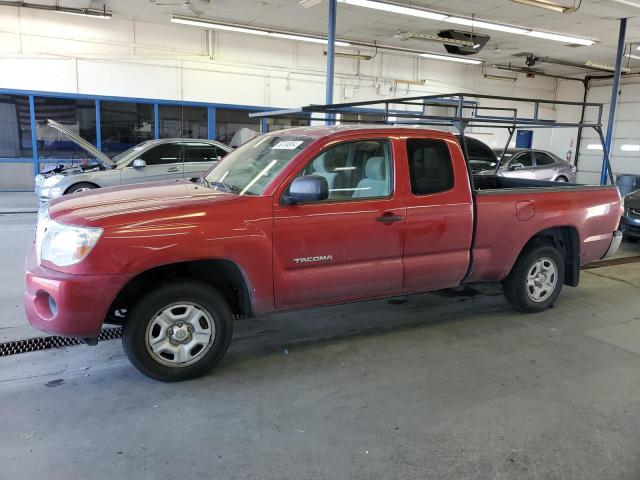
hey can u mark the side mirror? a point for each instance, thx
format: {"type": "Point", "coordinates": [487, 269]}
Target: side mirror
{"type": "Point", "coordinates": [310, 188]}
{"type": "Point", "coordinates": [515, 166]}
{"type": "Point", "coordinates": [139, 163]}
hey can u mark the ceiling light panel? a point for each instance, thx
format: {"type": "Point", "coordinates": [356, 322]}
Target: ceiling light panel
{"type": "Point", "coordinates": [395, 8]}
{"type": "Point", "coordinates": [253, 31]}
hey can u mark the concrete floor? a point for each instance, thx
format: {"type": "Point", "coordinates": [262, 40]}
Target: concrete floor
{"type": "Point", "coordinates": [444, 386]}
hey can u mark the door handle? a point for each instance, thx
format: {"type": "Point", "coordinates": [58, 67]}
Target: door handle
{"type": "Point", "coordinates": [389, 218]}
{"type": "Point", "coordinates": [172, 169]}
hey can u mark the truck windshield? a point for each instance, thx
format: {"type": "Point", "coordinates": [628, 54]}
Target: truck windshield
{"type": "Point", "coordinates": [249, 169]}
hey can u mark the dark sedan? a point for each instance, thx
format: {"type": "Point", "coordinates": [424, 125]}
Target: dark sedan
{"type": "Point", "coordinates": [630, 223]}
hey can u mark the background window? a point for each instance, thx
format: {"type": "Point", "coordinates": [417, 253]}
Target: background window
{"type": "Point", "coordinates": [525, 158]}
{"type": "Point", "coordinates": [544, 159]}
{"type": "Point", "coordinates": [274, 124]}
{"type": "Point", "coordinates": [15, 134]}
{"type": "Point", "coordinates": [355, 169]}
{"type": "Point", "coordinates": [178, 121]}
{"type": "Point", "coordinates": [79, 116]}
{"type": "Point", "coordinates": [228, 122]}
{"type": "Point", "coordinates": [162, 154]}
{"type": "Point", "coordinates": [355, 119]}
{"type": "Point", "coordinates": [203, 153]}
{"type": "Point", "coordinates": [430, 168]}
{"type": "Point", "coordinates": [124, 125]}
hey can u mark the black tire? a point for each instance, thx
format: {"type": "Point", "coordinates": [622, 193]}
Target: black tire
{"type": "Point", "coordinates": [519, 292]}
{"type": "Point", "coordinates": [144, 317]}
{"type": "Point", "coordinates": [562, 179]}
{"type": "Point", "coordinates": [80, 187]}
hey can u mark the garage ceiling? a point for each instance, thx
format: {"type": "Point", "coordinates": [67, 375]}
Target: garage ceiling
{"type": "Point", "coordinates": [596, 19]}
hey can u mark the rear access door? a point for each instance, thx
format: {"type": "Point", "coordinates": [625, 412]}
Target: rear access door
{"type": "Point", "coordinates": [439, 214]}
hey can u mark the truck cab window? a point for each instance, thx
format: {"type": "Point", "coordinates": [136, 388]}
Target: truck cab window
{"type": "Point", "coordinates": [354, 170]}
{"type": "Point", "coordinates": [430, 168]}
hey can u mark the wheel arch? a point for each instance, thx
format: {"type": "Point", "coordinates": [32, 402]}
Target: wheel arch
{"type": "Point", "coordinates": [567, 241]}
{"type": "Point", "coordinates": [223, 275]}
{"type": "Point", "coordinates": [66, 191]}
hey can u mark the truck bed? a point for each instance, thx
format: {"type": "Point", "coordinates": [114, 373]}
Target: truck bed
{"type": "Point", "coordinates": [510, 211]}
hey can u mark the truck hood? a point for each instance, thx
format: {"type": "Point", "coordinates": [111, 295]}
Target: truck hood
{"type": "Point", "coordinates": [120, 205]}
{"type": "Point", "coordinates": [82, 143]}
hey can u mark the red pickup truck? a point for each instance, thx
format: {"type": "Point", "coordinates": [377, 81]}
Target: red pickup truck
{"type": "Point", "coordinates": [300, 218]}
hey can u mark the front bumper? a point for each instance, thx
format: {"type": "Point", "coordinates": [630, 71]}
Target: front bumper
{"type": "Point", "coordinates": [67, 304]}
{"type": "Point", "coordinates": [630, 225]}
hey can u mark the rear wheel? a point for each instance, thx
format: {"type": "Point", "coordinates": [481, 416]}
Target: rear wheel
{"type": "Point", "coordinates": [178, 331]}
{"type": "Point", "coordinates": [536, 279]}
{"type": "Point", "coordinates": [80, 187]}
{"type": "Point", "coordinates": [562, 179]}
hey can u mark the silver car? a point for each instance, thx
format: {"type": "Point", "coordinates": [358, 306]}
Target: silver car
{"type": "Point", "coordinates": [153, 160]}
{"type": "Point", "coordinates": [534, 164]}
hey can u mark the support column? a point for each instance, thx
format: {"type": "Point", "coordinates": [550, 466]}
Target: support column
{"type": "Point", "coordinates": [331, 56]}
{"type": "Point", "coordinates": [34, 136]}
{"type": "Point", "coordinates": [614, 102]}
{"type": "Point", "coordinates": [98, 127]}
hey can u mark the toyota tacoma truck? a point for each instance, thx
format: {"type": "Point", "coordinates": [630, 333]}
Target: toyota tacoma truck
{"type": "Point", "coordinates": [302, 218]}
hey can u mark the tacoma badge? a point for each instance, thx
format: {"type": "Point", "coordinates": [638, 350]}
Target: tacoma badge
{"type": "Point", "coordinates": [319, 258]}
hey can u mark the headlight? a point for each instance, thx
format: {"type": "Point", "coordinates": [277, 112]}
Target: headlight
{"type": "Point", "coordinates": [52, 180]}
{"type": "Point", "coordinates": [64, 245]}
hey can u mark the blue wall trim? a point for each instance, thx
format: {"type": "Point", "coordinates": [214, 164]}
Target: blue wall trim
{"type": "Point", "coordinates": [107, 98]}
{"type": "Point", "coordinates": [211, 123]}
{"type": "Point", "coordinates": [34, 137]}
{"type": "Point", "coordinates": [156, 121]}
{"type": "Point", "coordinates": [98, 127]}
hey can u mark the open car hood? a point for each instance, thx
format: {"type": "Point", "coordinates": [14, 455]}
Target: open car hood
{"type": "Point", "coordinates": [82, 143]}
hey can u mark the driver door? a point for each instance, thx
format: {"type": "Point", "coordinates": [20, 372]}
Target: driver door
{"type": "Point", "coordinates": [163, 162]}
{"type": "Point", "coordinates": [350, 245]}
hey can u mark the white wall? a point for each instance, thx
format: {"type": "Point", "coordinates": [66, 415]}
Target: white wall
{"type": "Point", "coordinates": [626, 131]}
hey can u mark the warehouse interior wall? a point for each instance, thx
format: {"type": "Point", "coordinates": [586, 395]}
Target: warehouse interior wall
{"type": "Point", "coordinates": [48, 52]}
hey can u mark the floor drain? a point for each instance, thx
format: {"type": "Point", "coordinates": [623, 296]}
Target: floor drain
{"type": "Point", "coordinates": [46, 343]}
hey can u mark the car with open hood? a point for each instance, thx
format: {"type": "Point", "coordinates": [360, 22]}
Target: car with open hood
{"type": "Point", "coordinates": [152, 160]}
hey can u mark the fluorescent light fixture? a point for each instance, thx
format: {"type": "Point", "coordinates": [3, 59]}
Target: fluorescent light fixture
{"type": "Point", "coordinates": [561, 38]}
{"type": "Point", "coordinates": [546, 4]}
{"type": "Point", "coordinates": [635, 57]}
{"type": "Point", "coordinates": [83, 12]}
{"type": "Point", "coordinates": [488, 25]}
{"type": "Point", "coordinates": [303, 38]}
{"type": "Point", "coordinates": [196, 22]}
{"type": "Point", "coordinates": [435, 38]}
{"type": "Point", "coordinates": [395, 8]}
{"type": "Point", "coordinates": [630, 148]}
{"type": "Point", "coordinates": [216, 26]}
{"type": "Point", "coordinates": [629, 2]}
{"type": "Point", "coordinates": [594, 146]}
{"type": "Point", "coordinates": [605, 67]}
{"type": "Point", "coordinates": [471, 61]}
{"type": "Point", "coordinates": [638, 47]}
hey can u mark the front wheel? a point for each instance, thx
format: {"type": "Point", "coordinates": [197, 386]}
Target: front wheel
{"type": "Point", "coordinates": [80, 187]}
{"type": "Point", "coordinates": [178, 331]}
{"type": "Point", "coordinates": [536, 279]}
{"type": "Point", "coordinates": [562, 180]}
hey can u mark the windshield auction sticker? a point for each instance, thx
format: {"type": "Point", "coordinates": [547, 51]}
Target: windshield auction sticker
{"type": "Point", "coordinates": [287, 145]}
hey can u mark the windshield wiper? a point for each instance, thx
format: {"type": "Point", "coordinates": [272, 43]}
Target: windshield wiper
{"type": "Point", "coordinates": [225, 186]}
